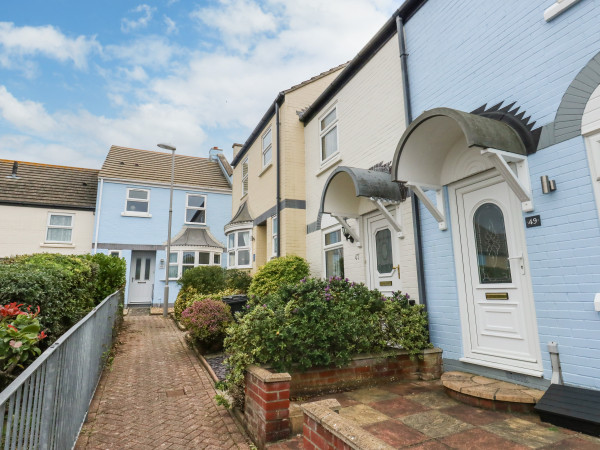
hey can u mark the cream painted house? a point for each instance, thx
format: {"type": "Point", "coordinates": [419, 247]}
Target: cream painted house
{"type": "Point", "coordinates": [269, 193]}
{"type": "Point", "coordinates": [46, 208]}
{"type": "Point", "coordinates": [359, 223]}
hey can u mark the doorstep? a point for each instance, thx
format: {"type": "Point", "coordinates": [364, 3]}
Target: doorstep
{"type": "Point", "coordinates": [488, 393]}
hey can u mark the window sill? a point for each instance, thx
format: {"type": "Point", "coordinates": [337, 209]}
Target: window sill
{"type": "Point", "coordinates": [267, 167]}
{"type": "Point", "coordinates": [57, 245]}
{"type": "Point", "coordinates": [131, 214]}
{"type": "Point", "coordinates": [326, 165]}
{"type": "Point", "coordinates": [195, 223]}
{"type": "Point", "coordinates": [558, 8]}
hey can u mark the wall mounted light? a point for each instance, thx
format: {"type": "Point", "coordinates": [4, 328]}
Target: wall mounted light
{"type": "Point", "coordinates": [547, 184]}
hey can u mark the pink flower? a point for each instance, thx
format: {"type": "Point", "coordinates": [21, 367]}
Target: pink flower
{"type": "Point", "coordinates": [15, 344]}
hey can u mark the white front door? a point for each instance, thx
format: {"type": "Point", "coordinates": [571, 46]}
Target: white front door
{"type": "Point", "coordinates": [498, 314]}
{"type": "Point", "coordinates": [141, 277]}
{"type": "Point", "coordinates": [384, 255]}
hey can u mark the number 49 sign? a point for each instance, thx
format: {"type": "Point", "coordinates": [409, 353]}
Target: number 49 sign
{"type": "Point", "coordinates": [533, 221]}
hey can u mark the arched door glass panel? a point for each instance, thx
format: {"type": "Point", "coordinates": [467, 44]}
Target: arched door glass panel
{"type": "Point", "coordinates": [492, 248]}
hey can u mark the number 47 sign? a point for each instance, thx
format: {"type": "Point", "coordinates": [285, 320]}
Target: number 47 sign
{"type": "Point", "coordinates": [533, 221]}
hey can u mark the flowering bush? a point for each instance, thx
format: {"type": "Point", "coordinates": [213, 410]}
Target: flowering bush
{"type": "Point", "coordinates": [20, 334]}
{"type": "Point", "coordinates": [189, 296]}
{"type": "Point", "coordinates": [320, 323]}
{"type": "Point", "coordinates": [207, 320]}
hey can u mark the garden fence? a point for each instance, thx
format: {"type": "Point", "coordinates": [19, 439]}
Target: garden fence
{"type": "Point", "coordinates": [45, 406]}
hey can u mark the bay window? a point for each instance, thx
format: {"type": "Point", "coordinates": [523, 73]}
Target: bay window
{"type": "Point", "coordinates": [238, 248]}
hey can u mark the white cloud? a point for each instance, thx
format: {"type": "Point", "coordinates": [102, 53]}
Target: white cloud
{"type": "Point", "coordinates": [27, 116]}
{"type": "Point", "coordinates": [128, 25]}
{"type": "Point", "coordinates": [155, 51]}
{"type": "Point", "coordinates": [171, 25]}
{"type": "Point", "coordinates": [17, 44]}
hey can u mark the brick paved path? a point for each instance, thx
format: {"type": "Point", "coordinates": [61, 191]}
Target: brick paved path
{"type": "Point", "coordinates": [157, 395]}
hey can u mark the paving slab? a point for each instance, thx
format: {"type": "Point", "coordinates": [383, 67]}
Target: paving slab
{"type": "Point", "coordinates": [156, 394]}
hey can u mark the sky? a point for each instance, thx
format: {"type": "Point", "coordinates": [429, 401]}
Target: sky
{"type": "Point", "coordinates": [78, 76]}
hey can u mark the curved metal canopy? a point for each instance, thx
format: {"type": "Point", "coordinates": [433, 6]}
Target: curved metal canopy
{"type": "Point", "coordinates": [423, 148]}
{"type": "Point", "coordinates": [337, 198]}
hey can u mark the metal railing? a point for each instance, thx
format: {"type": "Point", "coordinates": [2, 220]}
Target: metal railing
{"type": "Point", "coordinates": [45, 406]}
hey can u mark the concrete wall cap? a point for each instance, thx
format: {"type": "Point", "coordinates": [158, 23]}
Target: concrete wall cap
{"type": "Point", "coordinates": [267, 376]}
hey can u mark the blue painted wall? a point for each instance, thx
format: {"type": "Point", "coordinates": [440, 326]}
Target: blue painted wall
{"type": "Point", "coordinates": [464, 54]}
{"type": "Point", "coordinates": [117, 229]}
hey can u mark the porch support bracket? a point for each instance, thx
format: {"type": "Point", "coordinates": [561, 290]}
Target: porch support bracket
{"type": "Point", "coordinates": [378, 202]}
{"type": "Point", "coordinates": [349, 229]}
{"type": "Point", "coordinates": [518, 182]}
{"type": "Point", "coordinates": [438, 211]}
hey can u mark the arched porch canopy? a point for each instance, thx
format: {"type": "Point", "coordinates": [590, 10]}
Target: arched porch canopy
{"type": "Point", "coordinates": [444, 145]}
{"type": "Point", "coordinates": [351, 192]}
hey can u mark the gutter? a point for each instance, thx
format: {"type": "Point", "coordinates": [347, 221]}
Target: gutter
{"type": "Point", "coordinates": [406, 11]}
{"type": "Point", "coordinates": [98, 215]}
{"type": "Point", "coordinates": [414, 199]}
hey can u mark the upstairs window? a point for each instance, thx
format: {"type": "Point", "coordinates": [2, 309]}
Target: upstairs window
{"type": "Point", "coordinates": [60, 228]}
{"type": "Point", "coordinates": [138, 201]}
{"type": "Point", "coordinates": [329, 135]}
{"type": "Point", "coordinates": [195, 209]}
{"type": "Point", "coordinates": [267, 147]}
{"type": "Point", "coordinates": [245, 177]}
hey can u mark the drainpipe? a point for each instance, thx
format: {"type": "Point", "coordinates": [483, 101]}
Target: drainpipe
{"type": "Point", "coordinates": [278, 100]}
{"type": "Point", "coordinates": [414, 199]}
{"type": "Point", "coordinates": [557, 377]}
{"type": "Point", "coordinates": [98, 216]}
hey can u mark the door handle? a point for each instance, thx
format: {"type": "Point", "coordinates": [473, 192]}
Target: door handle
{"type": "Point", "coordinates": [521, 264]}
{"type": "Point", "coordinates": [397, 268]}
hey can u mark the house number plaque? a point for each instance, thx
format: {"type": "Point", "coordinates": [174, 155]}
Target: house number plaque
{"type": "Point", "coordinates": [533, 221]}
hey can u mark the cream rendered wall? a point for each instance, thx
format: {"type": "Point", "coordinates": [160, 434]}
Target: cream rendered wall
{"type": "Point", "coordinates": [23, 231]}
{"type": "Point", "coordinates": [370, 124]}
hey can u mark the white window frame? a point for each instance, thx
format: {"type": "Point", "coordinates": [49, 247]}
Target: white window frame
{"type": "Point", "coordinates": [195, 208]}
{"type": "Point", "coordinates": [115, 253]}
{"type": "Point", "coordinates": [267, 148]}
{"type": "Point", "coordinates": [325, 131]}
{"type": "Point", "coordinates": [136, 213]}
{"type": "Point", "coordinates": [330, 247]}
{"type": "Point", "coordinates": [179, 263]}
{"type": "Point", "coordinates": [236, 248]}
{"type": "Point", "coordinates": [245, 177]}
{"type": "Point", "coordinates": [274, 235]}
{"type": "Point", "coordinates": [48, 226]}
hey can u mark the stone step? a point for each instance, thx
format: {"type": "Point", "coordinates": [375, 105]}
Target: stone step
{"type": "Point", "coordinates": [488, 393]}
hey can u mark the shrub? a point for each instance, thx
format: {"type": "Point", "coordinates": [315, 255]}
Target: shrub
{"type": "Point", "coordinates": [320, 323]}
{"type": "Point", "coordinates": [19, 339]}
{"type": "Point", "coordinates": [237, 280]}
{"type": "Point", "coordinates": [111, 275]}
{"type": "Point", "coordinates": [276, 273]}
{"type": "Point", "coordinates": [187, 297]}
{"type": "Point", "coordinates": [205, 279]}
{"type": "Point", "coordinates": [206, 321]}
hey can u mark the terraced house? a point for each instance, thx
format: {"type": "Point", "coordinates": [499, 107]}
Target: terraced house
{"type": "Point", "coordinates": [268, 204]}
{"type": "Point", "coordinates": [489, 117]}
{"type": "Point", "coordinates": [133, 210]}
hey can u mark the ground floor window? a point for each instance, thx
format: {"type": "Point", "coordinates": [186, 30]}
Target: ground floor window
{"type": "Point", "coordinates": [180, 261]}
{"type": "Point", "coordinates": [60, 228]}
{"type": "Point", "coordinates": [334, 254]}
{"type": "Point", "coordinates": [238, 249]}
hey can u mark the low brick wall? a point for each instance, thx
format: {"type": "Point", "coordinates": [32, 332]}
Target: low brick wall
{"type": "Point", "coordinates": [324, 428]}
{"type": "Point", "coordinates": [266, 410]}
{"type": "Point", "coordinates": [364, 370]}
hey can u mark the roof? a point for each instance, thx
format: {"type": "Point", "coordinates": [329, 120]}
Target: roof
{"type": "Point", "coordinates": [405, 12]}
{"type": "Point", "coordinates": [48, 185]}
{"type": "Point", "coordinates": [225, 164]}
{"type": "Point", "coordinates": [195, 237]}
{"type": "Point", "coordinates": [242, 215]}
{"type": "Point", "coordinates": [145, 165]}
{"type": "Point", "coordinates": [271, 111]}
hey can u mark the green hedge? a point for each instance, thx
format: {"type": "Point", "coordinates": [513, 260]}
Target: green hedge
{"type": "Point", "coordinates": [276, 273]}
{"type": "Point", "coordinates": [65, 287]}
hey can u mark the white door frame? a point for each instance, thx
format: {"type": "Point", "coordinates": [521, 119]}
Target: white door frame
{"type": "Point", "coordinates": [371, 258]}
{"type": "Point", "coordinates": [151, 279]}
{"type": "Point", "coordinates": [460, 252]}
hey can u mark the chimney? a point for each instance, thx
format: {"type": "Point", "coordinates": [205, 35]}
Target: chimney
{"type": "Point", "coordinates": [213, 153]}
{"type": "Point", "coordinates": [236, 148]}
{"type": "Point", "coordinates": [15, 168]}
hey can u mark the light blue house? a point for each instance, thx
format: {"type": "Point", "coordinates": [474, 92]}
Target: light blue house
{"type": "Point", "coordinates": [132, 216]}
{"type": "Point", "coordinates": [503, 152]}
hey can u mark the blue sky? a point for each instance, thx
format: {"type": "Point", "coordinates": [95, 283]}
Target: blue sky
{"type": "Point", "coordinates": [78, 76]}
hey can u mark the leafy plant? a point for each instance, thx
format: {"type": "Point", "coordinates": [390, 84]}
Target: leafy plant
{"type": "Point", "coordinates": [188, 296]}
{"type": "Point", "coordinates": [205, 279]}
{"type": "Point", "coordinates": [110, 276]}
{"type": "Point", "coordinates": [276, 273]}
{"type": "Point", "coordinates": [20, 334]}
{"type": "Point", "coordinates": [237, 280]}
{"type": "Point", "coordinates": [206, 321]}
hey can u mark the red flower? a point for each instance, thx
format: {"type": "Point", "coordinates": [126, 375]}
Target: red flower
{"type": "Point", "coordinates": [11, 310]}
{"type": "Point", "coordinates": [12, 327]}
{"type": "Point", "coordinates": [42, 335]}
